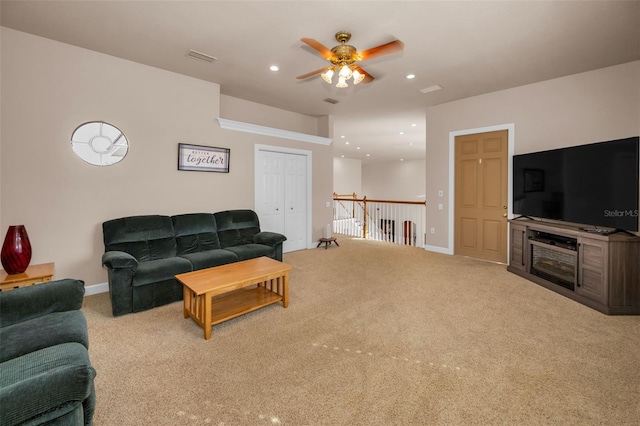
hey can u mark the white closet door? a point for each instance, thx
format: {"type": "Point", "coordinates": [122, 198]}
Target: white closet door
{"type": "Point", "coordinates": [270, 205]}
{"type": "Point", "coordinates": [295, 201]}
{"type": "Point", "coordinates": [281, 196]}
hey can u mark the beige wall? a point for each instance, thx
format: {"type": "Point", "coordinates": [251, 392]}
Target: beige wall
{"type": "Point", "coordinates": [394, 180]}
{"type": "Point", "coordinates": [347, 176]}
{"type": "Point", "coordinates": [49, 88]}
{"type": "Point", "coordinates": [583, 108]}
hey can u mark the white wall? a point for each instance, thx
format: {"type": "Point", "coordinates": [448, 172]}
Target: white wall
{"type": "Point", "coordinates": [49, 88]}
{"type": "Point", "coordinates": [395, 180]}
{"type": "Point", "coordinates": [583, 108]}
{"type": "Point", "coordinates": [347, 176]}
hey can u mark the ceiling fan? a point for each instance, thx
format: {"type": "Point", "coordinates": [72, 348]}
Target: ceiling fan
{"type": "Point", "coordinates": [343, 58]}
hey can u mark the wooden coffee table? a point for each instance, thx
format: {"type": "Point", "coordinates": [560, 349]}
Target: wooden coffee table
{"type": "Point", "coordinates": [214, 295]}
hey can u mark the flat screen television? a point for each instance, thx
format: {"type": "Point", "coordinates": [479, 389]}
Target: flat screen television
{"type": "Point", "coordinates": [594, 184]}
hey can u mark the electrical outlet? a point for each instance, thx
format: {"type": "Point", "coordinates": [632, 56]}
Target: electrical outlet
{"type": "Point", "coordinates": [433, 230]}
{"type": "Point", "coordinates": [328, 204]}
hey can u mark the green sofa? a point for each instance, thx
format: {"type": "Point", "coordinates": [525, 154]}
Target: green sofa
{"type": "Point", "coordinates": [45, 373]}
{"type": "Point", "coordinates": [144, 253]}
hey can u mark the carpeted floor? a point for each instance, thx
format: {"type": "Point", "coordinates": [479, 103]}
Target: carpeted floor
{"type": "Point", "coordinates": [375, 334]}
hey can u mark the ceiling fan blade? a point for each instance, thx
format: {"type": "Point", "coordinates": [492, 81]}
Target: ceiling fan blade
{"type": "Point", "coordinates": [309, 74]}
{"type": "Point", "coordinates": [368, 78]}
{"type": "Point", "coordinates": [324, 50]}
{"type": "Point", "coordinates": [383, 49]}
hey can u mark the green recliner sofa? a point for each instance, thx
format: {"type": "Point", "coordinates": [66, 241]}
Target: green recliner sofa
{"type": "Point", "coordinates": [46, 376]}
{"type": "Point", "coordinates": [144, 253]}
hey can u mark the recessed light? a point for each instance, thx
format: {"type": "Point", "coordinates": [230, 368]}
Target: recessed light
{"type": "Point", "coordinates": [357, 147]}
{"type": "Point", "coordinates": [402, 159]}
{"type": "Point", "coordinates": [410, 143]}
{"type": "Point", "coordinates": [414, 125]}
{"type": "Point", "coordinates": [274, 68]}
{"type": "Point", "coordinates": [342, 156]}
{"type": "Point", "coordinates": [342, 136]}
{"type": "Point", "coordinates": [346, 143]}
{"type": "Point", "coordinates": [401, 133]}
{"type": "Point", "coordinates": [411, 76]}
{"type": "Point", "coordinates": [368, 155]}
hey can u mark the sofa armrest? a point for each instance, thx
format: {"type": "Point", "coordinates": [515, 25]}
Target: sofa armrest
{"type": "Point", "coordinates": [269, 238]}
{"type": "Point", "coordinates": [25, 303]}
{"type": "Point", "coordinates": [122, 267]}
{"type": "Point", "coordinates": [119, 260]}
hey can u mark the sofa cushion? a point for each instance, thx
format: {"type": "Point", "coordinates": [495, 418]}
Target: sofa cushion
{"type": "Point", "coordinates": [144, 237]}
{"type": "Point", "coordinates": [249, 251]}
{"type": "Point", "coordinates": [160, 270]}
{"type": "Point", "coordinates": [64, 368]}
{"type": "Point", "coordinates": [40, 332]}
{"type": "Point", "coordinates": [195, 232]}
{"type": "Point", "coordinates": [210, 258]}
{"type": "Point", "coordinates": [236, 227]}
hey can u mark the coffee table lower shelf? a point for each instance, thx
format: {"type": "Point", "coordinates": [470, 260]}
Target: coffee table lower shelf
{"type": "Point", "coordinates": [207, 311]}
{"type": "Point", "coordinates": [240, 302]}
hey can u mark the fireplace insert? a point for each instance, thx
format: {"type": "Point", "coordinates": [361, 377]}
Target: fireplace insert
{"type": "Point", "coordinates": [554, 258]}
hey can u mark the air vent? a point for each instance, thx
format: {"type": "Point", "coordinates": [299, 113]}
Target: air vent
{"type": "Point", "coordinates": [431, 89]}
{"type": "Point", "coordinates": [201, 56]}
{"type": "Point", "coordinates": [331, 101]}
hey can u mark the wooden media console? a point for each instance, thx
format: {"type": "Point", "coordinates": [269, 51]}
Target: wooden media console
{"type": "Point", "coordinates": [598, 270]}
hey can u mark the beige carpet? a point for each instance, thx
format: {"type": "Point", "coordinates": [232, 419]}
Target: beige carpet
{"type": "Point", "coordinates": [375, 334]}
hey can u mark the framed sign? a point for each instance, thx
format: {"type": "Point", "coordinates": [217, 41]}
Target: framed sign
{"type": "Point", "coordinates": [203, 158]}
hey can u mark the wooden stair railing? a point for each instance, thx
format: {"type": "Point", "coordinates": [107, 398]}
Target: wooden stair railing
{"type": "Point", "coordinates": [368, 217]}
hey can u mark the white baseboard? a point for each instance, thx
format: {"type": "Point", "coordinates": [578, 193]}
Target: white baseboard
{"type": "Point", "coordinates": [443, 250]}
{"type": "Point", "coordinates": [96, 289]}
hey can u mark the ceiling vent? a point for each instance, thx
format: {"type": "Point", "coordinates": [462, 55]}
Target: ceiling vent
{"type": "Point", "coordinates": [331, 101]}
{"type": "Point", "coordinates": [431, 89]}
{"type": "Point", "coordinates": [201, 56]}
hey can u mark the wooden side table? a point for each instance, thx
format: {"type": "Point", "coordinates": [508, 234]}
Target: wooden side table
{"type": "Point", "coordinates": [34, 274]}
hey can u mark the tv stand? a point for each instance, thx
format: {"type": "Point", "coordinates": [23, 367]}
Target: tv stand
{"type": "Point", "coordinates": [599, 270]}
{"type": "Point", "coordinates": [601, 231]}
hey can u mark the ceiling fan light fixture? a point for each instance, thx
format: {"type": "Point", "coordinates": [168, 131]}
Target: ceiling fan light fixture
{"type": "Point", "coordinates": [327, 75]}
{"type": "Point", "coordinates": [345, 72]}
{"type": "Point", "coordinates": [357, 77]}
{"type": "Point", "coordinates": [342, 83]}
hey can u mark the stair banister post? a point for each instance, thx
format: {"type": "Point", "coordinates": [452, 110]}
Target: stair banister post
{"type": "Point", "coordinates": [364, 221]}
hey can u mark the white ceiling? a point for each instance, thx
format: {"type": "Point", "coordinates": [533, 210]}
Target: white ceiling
{"type": "Point", "coordinates": [468, 48]}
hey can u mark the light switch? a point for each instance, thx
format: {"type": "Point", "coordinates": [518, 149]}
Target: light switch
{"type": "Point", "coordinates": [440, 206]}
{"type": "Point", "coordinates": [328, 204]}
{"type": "Point", "coordinates": [440, 193]}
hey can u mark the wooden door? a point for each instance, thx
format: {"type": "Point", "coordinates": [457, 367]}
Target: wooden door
{"type": "Point", "coordinates": [481, 176]}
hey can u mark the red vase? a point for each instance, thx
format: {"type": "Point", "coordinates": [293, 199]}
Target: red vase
{"type": "Point", "coordinates": [16, 250]}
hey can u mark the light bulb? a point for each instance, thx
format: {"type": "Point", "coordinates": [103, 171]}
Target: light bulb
{"type": "Point", "coordinates": [327, 76]}
{"type": "Point", "coordinates": [357, 77]}
{"type": "Point", "coordinates": [342, 83]}
{"type": "Point", "coordinates": [345, 72]}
